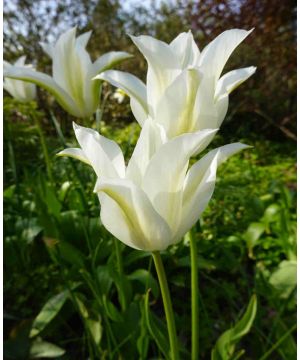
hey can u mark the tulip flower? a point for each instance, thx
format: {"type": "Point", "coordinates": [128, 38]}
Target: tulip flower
{"type": "Point", "coordinates": [184, 91]}
{"type": "Point", "coordinates": [20, 90]}
{"type": "Point", "coordinates": [72, 72]}
{"type": "Point", "coordinates": [156, 199]}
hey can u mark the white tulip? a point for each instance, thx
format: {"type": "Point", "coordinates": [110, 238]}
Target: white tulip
{"type": "Point", "coordinates": [156, 199]}
{"type": "Point", "coordinates": [184, 91]}
{"type": "Point", "coordinates": [20, 90]}
{"type": "Point", "coordinates": [72, 72]}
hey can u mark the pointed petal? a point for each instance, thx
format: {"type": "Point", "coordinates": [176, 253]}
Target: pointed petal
{"type": "Point", "coordinates": [70, 68]}
{"type": "Point", "coordinates": [104, 155]}
{"type": "Point", "coordinates": [186, 50]}
{"type": "Point", "coordinates": [175, 110]}
{"type": "Point", "coordinates": [158, 54]}
{"type": "Point", "coordinates": [215, 55]}
{"type": "Point", "coordinates": [46, 82]}
{"type": "Point", "coordinates": [136, 222]}
{"type": "Point", "coordinates": [152, 136]}
{"type": "Point", "coordinates": [109, 60]}
{"type": "Point", "coordinates": [205, 109]}
{"type": "Point", "coordinates": [83, 39]}
{"type": "Point", "coordinates": [138, 111]}
{"type": "Point", "coordinates": [21, 61]}
{"type": "Point", "coordinates": [64, 54]}
{"type": "Point", "coordinates": [163, 67]}
{"type": "Point", "coordinates": [48, 49]}
{"type": "Point", "coordinates": [221, 107]}
{"type": "Point", "coordinates": [164, 177]}
{"type": "Point", "coordinates": [75, 153]}
{"type": "Point", "coordinates": [130, 84]}
{"type": "Point", "coordinates": [230, 81]}
{"type": "Point", "coordinates": [200, 182]}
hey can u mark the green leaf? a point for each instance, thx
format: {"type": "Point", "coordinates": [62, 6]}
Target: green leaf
{"type": "Point", "coordinates": [142, 343]}
{"type": "Point", "coordinates": [104, 278]}
{"type": "Point", "coordinates": [147, 279]}
{"type": "Point", "coordinates": [94, 325]}
{"type": "Point", "coordinates": [71, 254]}
{"type": "Point", "coordinates": [271, 213]}
{"type": "Point", "coordinates": [64, 190]}
{"type": "Point", "coordinates": [111, 310]}
{"type": "Point", "coordinates": [284, 279]}
{"type": "Point", "coordinates": [252, 234]}
{"type": "Point", "coordinates": [157, 329]}
{"type": "Point", "coordinates": [48, 312]}
{"type": "Point", "coordinates": [225, 345]}
{"type": "Point", "coordinates": [44, 349]}
{"type": "Point", "coordinates": [95, 329]}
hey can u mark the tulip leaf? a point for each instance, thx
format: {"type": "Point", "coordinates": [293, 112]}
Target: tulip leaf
{"type": "Point", "coordinates": [225, 345]}
{"type": "Point", "coordinates": [43, 349]}
{"type": "Point", "coordinates": [157, 329]}
{"type": "Point", "coordinates": [48, 312]}
{"type": "Point", "coordinates": [111, 310]}
{"type": "Point", "coordinates": [147, 279]}
{"type": "Point", "coordinates": [142, 343]}
{"type": "Point", "coordinates": [271, 213]}
{"type": "Point", "coordinates": [104, 279]}
{"type": "Point", "coordinates": [71, 254]}
{"type": "Point", "coordinates": [252, 234]}
{"type": "Point", "coordinates": [284, 279]}
{"type": "Point", "coordinates": [94, 325]}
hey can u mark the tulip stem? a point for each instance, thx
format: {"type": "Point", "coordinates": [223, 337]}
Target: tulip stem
{"type": "Point", "coordinates": [44, 147]}
{"type": "Point", "coordinates": [167, 305]}
{"type": "Point", "coordinates": [118, 256]}
{"type": "Point", "coordinates": [194, 295]}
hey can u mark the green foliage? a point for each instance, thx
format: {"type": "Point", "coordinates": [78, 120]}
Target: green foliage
{"type": "Point", "coordinates": [48, 312]}
{"type": "Point", "coordinates": [225, 346]}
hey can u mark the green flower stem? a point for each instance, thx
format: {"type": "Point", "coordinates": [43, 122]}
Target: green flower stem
{"type": "Point", "coordinates": [167, 305]}
{"type": "Point", "coordinates": [44, 147]}
{"type": "Point", "coordinates": [118, 256]}
{"type": "Point", "coordinates": [194, 295]}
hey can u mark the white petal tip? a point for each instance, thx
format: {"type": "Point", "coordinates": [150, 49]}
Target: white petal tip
{"type": "Point", "coordinates": [75, 126]}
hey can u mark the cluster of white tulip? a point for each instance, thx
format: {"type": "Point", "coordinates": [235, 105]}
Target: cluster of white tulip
{"type": "Point", "coordinates": [157, 198]}
{"type": "Point", "coordinates": [72, 73]}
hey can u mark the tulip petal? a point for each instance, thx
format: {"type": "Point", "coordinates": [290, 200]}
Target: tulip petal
{"type": "Point", "coordinates": [163, 67]}
{"type": "Point", "coordinates": [64, 56]}
{"type": "Point", "coordinates": [130, 84]}
{"type": "Point", "coordinates": [83, 39]}
{"type": "Point", "coordinates": [163, 179]}
{"type": "Point", "coordinates": [175, 110]}
{"type": "Point", "coordinates": [230, 81]}
{"type": "Point", "coordinates": [152, 136]}
{"type": "Point", "coordinates": [221, 107]}
{"type": "Point", "coordinates": [109, 60]}
{"type": "Point", "coordinates": [104, 155]}
{"type": "Point", "coordinates": [138, 111]}
{"type": "Point", "coordinates": [21, 61]}
{"type": "Point", "coordinates": [158, 54]}
{"type": "Point", "coordinates": [75, 153]}
{"type": "Point", "coordinates": [186, 50]}
{"type": "Point", "coordinates": [205, 110]}
{"type": "Point", "coordinates": [48, 49]}
{"type": "Point", "coordinates": [136, 223]}
{"type": "Point", "coordinates": [200, 182]}
{"type": "Point", "coordinates": [46, 82]}
{"type": "Point", "coordinates": [215, 55]}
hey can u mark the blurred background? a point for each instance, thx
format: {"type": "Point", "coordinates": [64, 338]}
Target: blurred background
{"type": "Point", "coordinates": [248, 233]}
